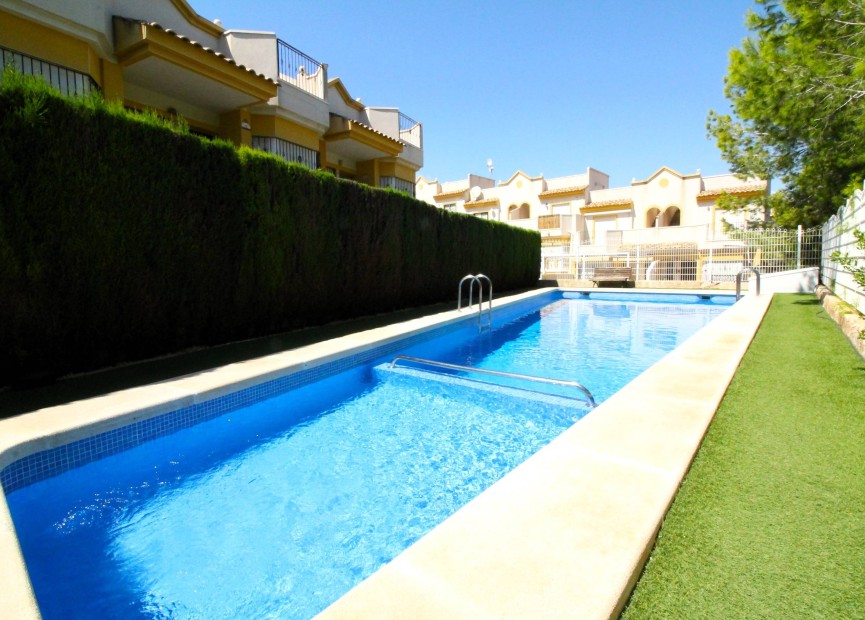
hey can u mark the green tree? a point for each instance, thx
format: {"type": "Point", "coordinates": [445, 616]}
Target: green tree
{"type": "Point", "coordinates": [797, 89]}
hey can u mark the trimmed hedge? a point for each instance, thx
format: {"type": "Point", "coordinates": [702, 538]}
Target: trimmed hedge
{"type": "Point", "coordinates": [123, 239]}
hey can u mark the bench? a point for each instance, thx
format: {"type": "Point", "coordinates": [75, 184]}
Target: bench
{"type": "Point", "coordinates": [612, 274]}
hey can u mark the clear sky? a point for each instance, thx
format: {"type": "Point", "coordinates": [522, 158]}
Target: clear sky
{"type": "Point", "coordinates": [547, 87]}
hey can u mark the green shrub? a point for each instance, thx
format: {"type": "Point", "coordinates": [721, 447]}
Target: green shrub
{"type": "Point", "coordinates": [123, 236]}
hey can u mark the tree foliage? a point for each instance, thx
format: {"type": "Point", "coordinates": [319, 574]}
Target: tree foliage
{"type": "Point", "coordinates": [797, 89]}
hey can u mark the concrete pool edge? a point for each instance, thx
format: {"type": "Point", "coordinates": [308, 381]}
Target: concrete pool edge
{"type": "Point", "coordinates": [44, 429]}
{"type": "Point", "coordinates": [566, 533]}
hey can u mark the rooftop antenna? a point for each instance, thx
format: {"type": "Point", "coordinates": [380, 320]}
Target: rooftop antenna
{"type": "Point", "coordinates": [490, 164]}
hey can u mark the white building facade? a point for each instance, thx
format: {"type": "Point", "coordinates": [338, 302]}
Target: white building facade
{"type": "Point", "coordinates": [580, 215]}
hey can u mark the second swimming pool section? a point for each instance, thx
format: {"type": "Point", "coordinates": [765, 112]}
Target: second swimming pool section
{"type": "Point", "coordinates": [480, 349]}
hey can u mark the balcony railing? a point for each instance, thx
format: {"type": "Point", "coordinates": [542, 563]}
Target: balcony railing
{"type": "Point", "coordinates": [298, 69]}
{"type": "Point", "coordinates": [410, 131]}
{"type": "Point", "coordinates": [398, 184]}
{"type": "Point", "coordinates": [67, 81]}
{"type": "Point", "coordinates": [549, 221]}
{"type": "Point", "coordinates": [289, 151]}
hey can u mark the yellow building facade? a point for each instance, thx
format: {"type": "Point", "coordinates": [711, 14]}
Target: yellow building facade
{"type": "Point", "coordinates": [248, 87]}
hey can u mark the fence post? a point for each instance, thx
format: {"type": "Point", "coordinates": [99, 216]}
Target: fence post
{"type": "Point", "coordinates": [799, 246]}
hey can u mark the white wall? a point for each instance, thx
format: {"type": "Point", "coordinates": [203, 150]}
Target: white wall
{"type": "Point", "coordinates": [794, 281]}
{"type": "Point", "coordinates": [254, 50]}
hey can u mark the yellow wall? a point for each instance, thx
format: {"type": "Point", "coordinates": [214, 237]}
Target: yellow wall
{"type": "Point", "coordinates": [396, 169]}
{"type": "Point", "coordinates": [368, 172]}
{"type": "Point", "coordinates": [35, 40]}
{"type": "Point", "coordinates": [231, 127]}
{"type": "Point", "coordinates": [112, 80]}
{"type": "Point", "coordinates": [273, 126]}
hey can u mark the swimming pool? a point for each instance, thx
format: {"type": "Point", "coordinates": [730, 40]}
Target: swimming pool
{"type": "Point", "coordinates": [654, 336]}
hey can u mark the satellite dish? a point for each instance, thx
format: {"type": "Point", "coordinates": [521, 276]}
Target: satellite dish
{"type": "Point", "coordinates": [475, 193]}
{"type": "Point", "coordinates": [490, 164]}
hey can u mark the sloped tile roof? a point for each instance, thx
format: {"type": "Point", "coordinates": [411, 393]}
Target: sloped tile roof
{"type": "Point", "coordinates": [624, 202]}
{"type": "Point", "coordinates": [753, 188]}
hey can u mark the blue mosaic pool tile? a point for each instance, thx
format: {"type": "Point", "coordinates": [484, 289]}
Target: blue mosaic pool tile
{"type": "Point", "coordinates": [54, 461]}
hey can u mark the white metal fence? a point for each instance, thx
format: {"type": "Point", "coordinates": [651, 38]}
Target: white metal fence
{"type": "Point", "coordinates": [838, 236]}
{"type": "Point", "coordinates": [698, 261]}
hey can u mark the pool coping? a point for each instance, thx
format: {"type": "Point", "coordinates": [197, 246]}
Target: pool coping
{"type": "Point", "coordinates": [466, 566]}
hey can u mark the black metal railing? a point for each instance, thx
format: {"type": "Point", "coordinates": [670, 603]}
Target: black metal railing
{"type": "Point", "coordinates": [289, 151]}
{"type": "Point", "coordinates": [298, 69]}
{"type": "Point", "coordinates": [410, 131]}
{"type": "Point", "coordinates": [67, 81]}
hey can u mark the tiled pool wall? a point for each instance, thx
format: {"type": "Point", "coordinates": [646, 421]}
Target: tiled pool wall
{"type": "Point", "coordinates": [54, 461]}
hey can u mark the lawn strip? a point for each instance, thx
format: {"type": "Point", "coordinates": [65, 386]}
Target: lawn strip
{"type": "Point", "coordinates": [770, 520]}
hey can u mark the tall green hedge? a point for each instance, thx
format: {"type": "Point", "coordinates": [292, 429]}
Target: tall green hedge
{"type": "Point", "coordinates": [122, 239]}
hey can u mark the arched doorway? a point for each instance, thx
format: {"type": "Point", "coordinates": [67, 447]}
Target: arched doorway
{"type": "Point", "coordinates": [672, 216]}
{"type": "Point", "coordinates": [518, 213]}
{"type": "Point", "coordinates": [652, 219]}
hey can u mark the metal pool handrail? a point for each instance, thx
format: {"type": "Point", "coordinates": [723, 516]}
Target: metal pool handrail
{"type": "Point", "coordinates": [579, 386]}
{"type": "Point", "coordinates": [739, 281]}
{"type": "Point", "coordinates": [479, 279]}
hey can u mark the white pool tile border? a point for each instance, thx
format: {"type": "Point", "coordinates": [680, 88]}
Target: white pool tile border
{"type": "Point", "coordinates": [49, 428]}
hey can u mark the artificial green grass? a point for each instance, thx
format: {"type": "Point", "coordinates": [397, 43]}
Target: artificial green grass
{"type": "Point", "coordinates": [770, 520]}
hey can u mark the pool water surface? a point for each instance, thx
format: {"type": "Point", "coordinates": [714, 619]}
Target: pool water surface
{"type": "Point", "coordinates": [278, 508]}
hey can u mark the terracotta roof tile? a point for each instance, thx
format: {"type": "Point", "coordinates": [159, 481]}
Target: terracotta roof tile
{"type": "Point", "coordinates": [624, 202]}
{"type": "Point", "coordinates": [738, 189]}
{"type": "Point", "coordinates": [563, 190]}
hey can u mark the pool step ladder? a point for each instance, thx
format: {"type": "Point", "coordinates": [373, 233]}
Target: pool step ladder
{"type": "Point", "coordinates": [753, 270]}
{"type": "Point", "coordinates": [417, 360]}
{"type": "Point", "coordinates": [479, 280]}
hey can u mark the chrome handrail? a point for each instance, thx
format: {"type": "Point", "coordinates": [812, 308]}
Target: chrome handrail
{"type": "Point", "coordinates": [739, 281]}
{"type": "Point", "coordinates": [472, 280]}
{"type": "Point", "coordinates": [513, 375]}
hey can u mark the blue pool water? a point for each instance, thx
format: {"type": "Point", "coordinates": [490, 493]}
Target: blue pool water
{"type": "Point", "coordinates": [278, 508]}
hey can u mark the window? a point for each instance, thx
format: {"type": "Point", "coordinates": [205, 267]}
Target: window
{"type": "Point", "coordinates": [603, 225]}
{"type": "Point", "coordinates": [451, 206]}
{"type": "Point", "coordinates": [484, 215]}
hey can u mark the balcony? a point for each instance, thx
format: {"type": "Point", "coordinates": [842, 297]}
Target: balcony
{"type": "Point", "coordinates": [410, 131]}
{"type": "Point", "coordinates": [359, 142]}
{"type": "Point", "coordinates": [300, 70]}
{"type": "Point", "coordinates": [67, 81]}
{"type": "Point", "coordinates": [394, 124]}
{"type": "Point", "coordinates": [159, 63]}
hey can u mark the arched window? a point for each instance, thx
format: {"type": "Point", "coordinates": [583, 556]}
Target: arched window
{"type": "Point", "coordinates": [672, 216]}
{"type": "Point", "coordinates": [652, 217]}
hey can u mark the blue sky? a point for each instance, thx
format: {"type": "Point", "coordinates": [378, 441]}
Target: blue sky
{"type": "Point", "coordinates": [547, 87]}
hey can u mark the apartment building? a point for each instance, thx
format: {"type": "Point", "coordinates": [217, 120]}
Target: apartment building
{"type": "Point", "coordinates": [249, 87]}
{"type": "Point", "coordinates": [669, 219]}
{"type": "Point", "coordinates": [583, 210]}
